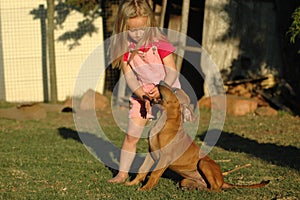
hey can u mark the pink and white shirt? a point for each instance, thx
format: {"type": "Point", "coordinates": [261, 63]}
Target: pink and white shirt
{"type": "Point", "coordinates": [147, 64]}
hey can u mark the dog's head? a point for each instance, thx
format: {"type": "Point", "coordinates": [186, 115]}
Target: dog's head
{"type": "Point", "coordinates": [169, 101]}
{"type": "Point", "coordinates": [175, 101]}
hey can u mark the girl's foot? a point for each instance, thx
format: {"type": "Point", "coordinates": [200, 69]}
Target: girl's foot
{"type": "Point", "coordinates": [119, 178]}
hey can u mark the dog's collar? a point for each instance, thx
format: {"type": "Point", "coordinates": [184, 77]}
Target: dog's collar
{"type": "Point", "coordinates": [174, 90]}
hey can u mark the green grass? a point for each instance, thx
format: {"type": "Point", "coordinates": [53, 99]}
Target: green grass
{"type": "Point", "coordinates": [45, 160]}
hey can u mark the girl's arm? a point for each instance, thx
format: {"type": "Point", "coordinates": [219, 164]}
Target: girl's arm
{"type": "Point", "coordinates": [131, 81]}
{"type": "Point", "coordinates": [171, 75]}
{"type": "Point", "coordinates": [171, 70]}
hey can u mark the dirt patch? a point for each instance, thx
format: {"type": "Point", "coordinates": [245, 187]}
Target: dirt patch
{"type": "Point", "coordinates": [29, 111]}
{"type": "Point", "coordinates": [38, 111]}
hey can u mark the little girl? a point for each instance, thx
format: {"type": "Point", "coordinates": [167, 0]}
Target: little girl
{"type": "Point", "coordinates": [143, 53]}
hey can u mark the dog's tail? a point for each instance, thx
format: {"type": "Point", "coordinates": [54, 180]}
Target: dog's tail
{"type": "Point", "coordinates": [257, 185]}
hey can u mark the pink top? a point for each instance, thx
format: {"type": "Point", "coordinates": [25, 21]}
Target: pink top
{"type": "Point", "coordinates": [164, 48]}
{"type": "Point", "coordinates": [147, 64]}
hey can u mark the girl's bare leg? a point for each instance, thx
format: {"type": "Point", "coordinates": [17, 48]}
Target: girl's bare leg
{"type": "Point", "coordinates": [135, 129]}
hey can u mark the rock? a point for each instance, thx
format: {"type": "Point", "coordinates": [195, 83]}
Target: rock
{"type": "Point", "coordinates": [260, 100]}
{"type": "Point", "coordinates": [235, 105]}
{"type": "Point", "coordinates": [266, 111]}
{"type": "Point", "coordinates": [93, 100]}
{"type": "Point", "coordinates": [239, 106]}
{"type": "Point", "coordinates": [204, 102]}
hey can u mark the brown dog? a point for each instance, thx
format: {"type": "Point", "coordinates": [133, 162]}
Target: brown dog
{"type": "Point", "coordinates": [171, 147]}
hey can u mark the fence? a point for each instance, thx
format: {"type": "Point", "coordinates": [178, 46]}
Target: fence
{"type": "Point", "coordinates": [24, 74]}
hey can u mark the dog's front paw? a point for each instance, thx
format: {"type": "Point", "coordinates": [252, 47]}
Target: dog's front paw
{"type": "Point", "coordinates": [145, 188]}
{"type": "Point", "coordinates": [138, 179]}
{"type": "Point", "coordinates": [133, 182]}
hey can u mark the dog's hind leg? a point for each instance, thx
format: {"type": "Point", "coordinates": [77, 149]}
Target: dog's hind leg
{"type": "Point", "coordinates": [192, 184]}
{"type": "Point", "coordinates": [211, 173]}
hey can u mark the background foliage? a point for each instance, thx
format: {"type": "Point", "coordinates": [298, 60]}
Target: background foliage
{"type": "Point", "coordinates": [295, 26]}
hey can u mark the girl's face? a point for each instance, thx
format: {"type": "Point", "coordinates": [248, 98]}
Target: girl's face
{"type": "Point", "coordinates": [137, 26]}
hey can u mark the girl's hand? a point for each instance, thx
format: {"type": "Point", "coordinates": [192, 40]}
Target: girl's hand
{"type": "Point", "coordinates": [154, 93]}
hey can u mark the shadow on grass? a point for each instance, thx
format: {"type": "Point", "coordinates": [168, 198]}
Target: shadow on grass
{"type": "Point", "coordinates": [108, 153]}
{"type": "Point", "coordinates": [286, 156]}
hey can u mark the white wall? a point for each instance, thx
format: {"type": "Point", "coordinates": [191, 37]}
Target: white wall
{"type": "Point", "coordinates": [21, 49]}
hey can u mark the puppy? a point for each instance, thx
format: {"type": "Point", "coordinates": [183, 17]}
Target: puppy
{"type": "Point", "coordinates": [170, 147]}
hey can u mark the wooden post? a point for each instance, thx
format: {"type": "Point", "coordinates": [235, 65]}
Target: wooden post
{"type": "Point", "coordinates": [44, 52]}
{"type": "Point", "coordinates": [51, 50]}
{"type": "Point", "coordinates": [163, 13]}
{"type": "Point", "coordinates": [183, 31]}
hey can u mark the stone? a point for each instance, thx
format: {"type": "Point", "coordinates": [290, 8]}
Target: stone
{"type": "Point", "coordinates": [93, 100]}
{"type": "Point", "coordinates": [235, 105]}
{"type": "Point", "coordinates": [239, 106]}
{"type": "Point", "coordinates": [266, 111]}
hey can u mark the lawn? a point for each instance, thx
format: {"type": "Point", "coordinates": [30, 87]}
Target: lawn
{"type": "Point", "coordinates": [45, 159]}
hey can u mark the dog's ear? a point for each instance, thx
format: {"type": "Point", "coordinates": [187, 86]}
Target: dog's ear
{"type": "Point", "coordinates": [163, 83]}
{"type": "Point", "coordinates": [188, 114]}
{"type": "Point", "coordinates": [184, 99]}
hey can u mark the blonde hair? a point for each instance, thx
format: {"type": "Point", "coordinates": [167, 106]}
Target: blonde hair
{"type": "Point", "coordinates": [119, 40]}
